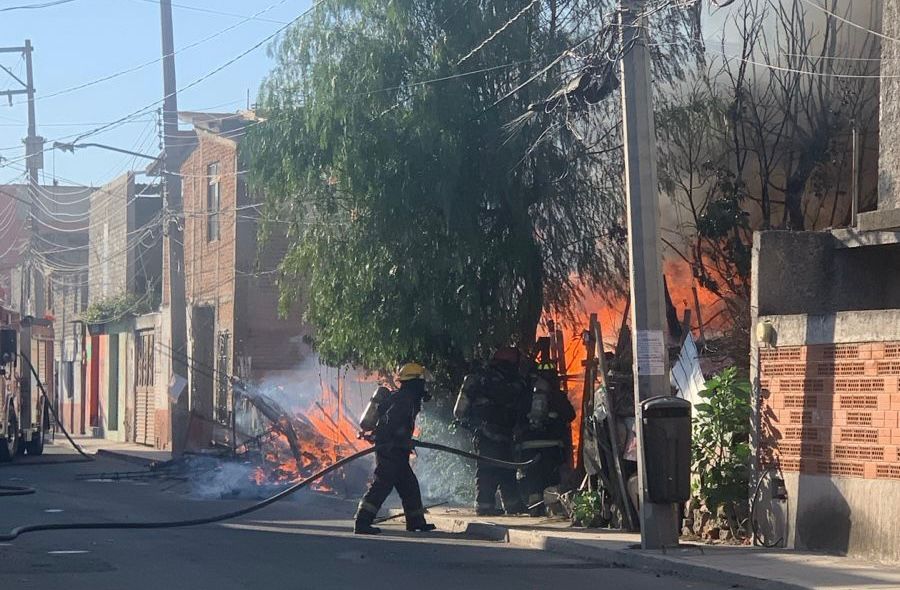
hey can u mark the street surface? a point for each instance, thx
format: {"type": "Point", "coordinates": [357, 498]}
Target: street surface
{"type": "Point", "coordinates": [304, 542]}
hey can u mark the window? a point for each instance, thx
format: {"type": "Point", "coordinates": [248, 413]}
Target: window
{"type": "Point", "coordinates": [213, 202]}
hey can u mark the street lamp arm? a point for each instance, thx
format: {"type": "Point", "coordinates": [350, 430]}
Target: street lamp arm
{"type": "Point", "coordinates": [71, 147]}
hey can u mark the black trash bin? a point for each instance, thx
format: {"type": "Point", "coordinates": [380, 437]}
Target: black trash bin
{"type": "Point", "coordinates": [667, 448]}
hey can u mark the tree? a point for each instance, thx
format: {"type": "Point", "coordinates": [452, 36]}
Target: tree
{"type": "Point", "coordinates": [761, 139]}
{"type": "Point", "coordinates": [437, 199]}
{"type": "Point", "coordinates": [804, 80]}
{"type": "Point", "coordinates": [711, 228]}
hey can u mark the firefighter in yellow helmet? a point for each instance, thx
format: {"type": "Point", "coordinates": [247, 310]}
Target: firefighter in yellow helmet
{"type": "Point", "coordinates": [394, 429]}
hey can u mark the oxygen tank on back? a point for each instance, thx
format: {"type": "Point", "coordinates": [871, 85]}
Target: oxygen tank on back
{"type": "Point", "coordinates": [370, 416]}
{"type": "Point", "coordinates": [540, 404]}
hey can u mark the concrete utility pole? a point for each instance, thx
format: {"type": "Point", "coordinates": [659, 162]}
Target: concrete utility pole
{"type": "Point", "coordinates": [174, 234]}
{"type": "Point", "coordinates": [659, 522]}
{"type": "Point", "coordinates": [34, 157]}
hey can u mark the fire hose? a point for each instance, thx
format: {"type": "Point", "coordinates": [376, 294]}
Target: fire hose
{"type": "Point", "coordinates": [167, 524]}
{"type": "Point", "coordinates": [15, 491]}
{"type": "Point", "coordinates": [34, 528]}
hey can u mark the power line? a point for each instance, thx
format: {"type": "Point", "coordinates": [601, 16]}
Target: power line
{"type": "Point", "coordinates": [218, 12]}
{"type": "Point", "coordinates": [200, 80]}
{"type": "Point", "coordinates": [36, 6]}
{"type": "Point", "coordinates": [494, 35]}
{"type": "Point", "coordinates": [812, 73]}
{"type": "Point", "coordinates": [849, 22]}
{"type": "Point", "coordinates": [149, 63]}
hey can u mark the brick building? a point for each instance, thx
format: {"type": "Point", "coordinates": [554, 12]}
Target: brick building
{"type": "Point", "coordinates": [125, 253]}
{"type": "Point", "coordinates": [233, 322]}
{"type": "Point", "coordinates": [124, 260]}
{"type": "Point", "coordinates": [826, 362]}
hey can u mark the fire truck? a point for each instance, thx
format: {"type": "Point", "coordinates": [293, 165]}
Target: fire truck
{"type": "Point", "coordinates": [24, 417]}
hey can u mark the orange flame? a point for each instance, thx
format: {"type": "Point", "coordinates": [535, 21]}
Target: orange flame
{"type": "Point", "coordinates": [325, 434]}
{"type": "Point", "coordinates": [610, 311]}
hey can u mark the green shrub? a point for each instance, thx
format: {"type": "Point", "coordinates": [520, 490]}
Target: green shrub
{"type": "Point", "coordinates": [721, 447]}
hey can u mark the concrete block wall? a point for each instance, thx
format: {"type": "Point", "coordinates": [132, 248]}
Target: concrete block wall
{"type": "Point", "coordinates": [831, 409]}
{"type": "Point", "coordinates": [828, 408]}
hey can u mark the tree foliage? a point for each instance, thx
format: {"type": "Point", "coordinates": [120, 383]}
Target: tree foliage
{"type": "Point", "coordinates": [423, 223]}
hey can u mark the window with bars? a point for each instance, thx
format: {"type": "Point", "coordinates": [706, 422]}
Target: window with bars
{"type": "Point", "coordinates": [213, 202]}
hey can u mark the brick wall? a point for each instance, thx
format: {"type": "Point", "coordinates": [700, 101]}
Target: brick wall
{"type": "Point", "coordinates": [831, 409]}
{"type": "Point", "coordinates": [210, 264]}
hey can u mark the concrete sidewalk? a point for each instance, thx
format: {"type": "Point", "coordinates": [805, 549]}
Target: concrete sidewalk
{"type": "Point", "coordinates": [131, 452]}
{"type": "Point", "coordinates": [745, 567]}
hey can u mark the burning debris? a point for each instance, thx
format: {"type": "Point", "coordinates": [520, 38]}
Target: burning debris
{"type": "Point", "coordinates": [297, 443]}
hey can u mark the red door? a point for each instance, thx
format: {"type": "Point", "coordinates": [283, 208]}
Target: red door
{"type": "Point", "coordinates": [94, 381]}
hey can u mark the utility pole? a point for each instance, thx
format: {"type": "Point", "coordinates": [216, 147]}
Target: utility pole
{"type": "Point", "coordinates": [174, 234]}
{"type": "Point", "coordinates": [34, 145]}
{"type": "Point", "coordinates": [659, 522]}
{"type": "Point", "coordinates": [34, 159]}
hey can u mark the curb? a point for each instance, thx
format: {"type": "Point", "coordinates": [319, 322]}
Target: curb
{"type": "Point", "coordinates": [615, 557]}
{"type": "Point", "coordinates": [146, 461]}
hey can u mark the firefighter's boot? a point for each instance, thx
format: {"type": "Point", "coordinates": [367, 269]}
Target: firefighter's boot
{"type": "Point", "coordinates": [420, 527]}
{"type": "Point", "coordinates": [363, 527]}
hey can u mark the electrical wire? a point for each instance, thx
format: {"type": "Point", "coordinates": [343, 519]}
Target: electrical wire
{"type": "Point", "coordinates": [216, 12]}
{"type": "Point", "coordinates": [36, 6]}
{"type": "Point", "coordinates": [494, 35]}
{"type": "Point", "coordinates": [850, 22]}
{"type": "Point", "coordinates": [754, 525]}
{"type": "Point", "coordinates": [149, 63]}
{"type": "Point", "coordinates": [205, 76]}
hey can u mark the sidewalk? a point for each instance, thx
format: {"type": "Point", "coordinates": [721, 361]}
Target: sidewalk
{"type": "Point", "coordinates": [131, 452]}
{"type": "Point", "coordinates": [745, 567]}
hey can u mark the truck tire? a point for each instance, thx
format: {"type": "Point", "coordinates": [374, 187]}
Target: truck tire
{"type": "Point", "coordinates": [9, 444]}
{"type": "Point", "coordinates": [35, 447]}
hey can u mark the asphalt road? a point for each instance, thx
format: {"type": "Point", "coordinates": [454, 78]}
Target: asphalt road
{"type": "Point", "coordinates": [301, 543]}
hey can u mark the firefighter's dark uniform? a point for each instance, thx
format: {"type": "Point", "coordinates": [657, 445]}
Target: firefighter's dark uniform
{"type": "Point", "coordinates": [548, 438]}
{"type": "Point", "coordinates": [392, 468]}
{"type": "Point", "coordinates": [495, 395]}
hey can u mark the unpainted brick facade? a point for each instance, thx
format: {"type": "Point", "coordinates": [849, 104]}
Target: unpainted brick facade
{"type": "Point", "coordinates": [229, 277]}
{"type": "Point", "coordinates": [832, 409]}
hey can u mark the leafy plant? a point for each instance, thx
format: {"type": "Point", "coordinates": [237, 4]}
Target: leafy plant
{"type": "Point", "coordinates": [721, 447]}
{"type": "Point", "coordinates": [113, 309]}
{"type": "Point", "coordinates": [587, 509]}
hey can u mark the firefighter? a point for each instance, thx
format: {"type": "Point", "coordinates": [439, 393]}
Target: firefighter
{"type": "Point", "coordinates": [489, 403]}
{"type": "Point", "coordinates": [545, 436]}
{"type": "Point", "coordinates": [396, 422]}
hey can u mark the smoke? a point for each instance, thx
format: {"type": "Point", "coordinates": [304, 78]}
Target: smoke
{"type": "Point", "coordinates": [310, 382]}
{"type": "Point", "coordinates": [444, 477]}
{"type": "Point", "coordinates": [214, 479]}
{"type": "Point", "coordinates": [290, 424]}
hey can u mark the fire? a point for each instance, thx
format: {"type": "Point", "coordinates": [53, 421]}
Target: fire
{"type": "Point", "coordinates": [306, 439]}
{"type": "Point", "coordinates": [610, 312]}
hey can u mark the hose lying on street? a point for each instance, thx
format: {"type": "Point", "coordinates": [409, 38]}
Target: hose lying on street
{"type": "Point", "coordinates": [15, 491]}
{"type": "Point", "coordinates": [34, 528]}
{"type": "Point", "coordinates": [85, 457]}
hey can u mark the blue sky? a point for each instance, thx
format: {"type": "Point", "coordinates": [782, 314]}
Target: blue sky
{"type": "Point", "coordinates": [83, 40]}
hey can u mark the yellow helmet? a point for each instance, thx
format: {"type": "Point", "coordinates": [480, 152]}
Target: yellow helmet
{"type": "Point", "coordinates": [411, 371]}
